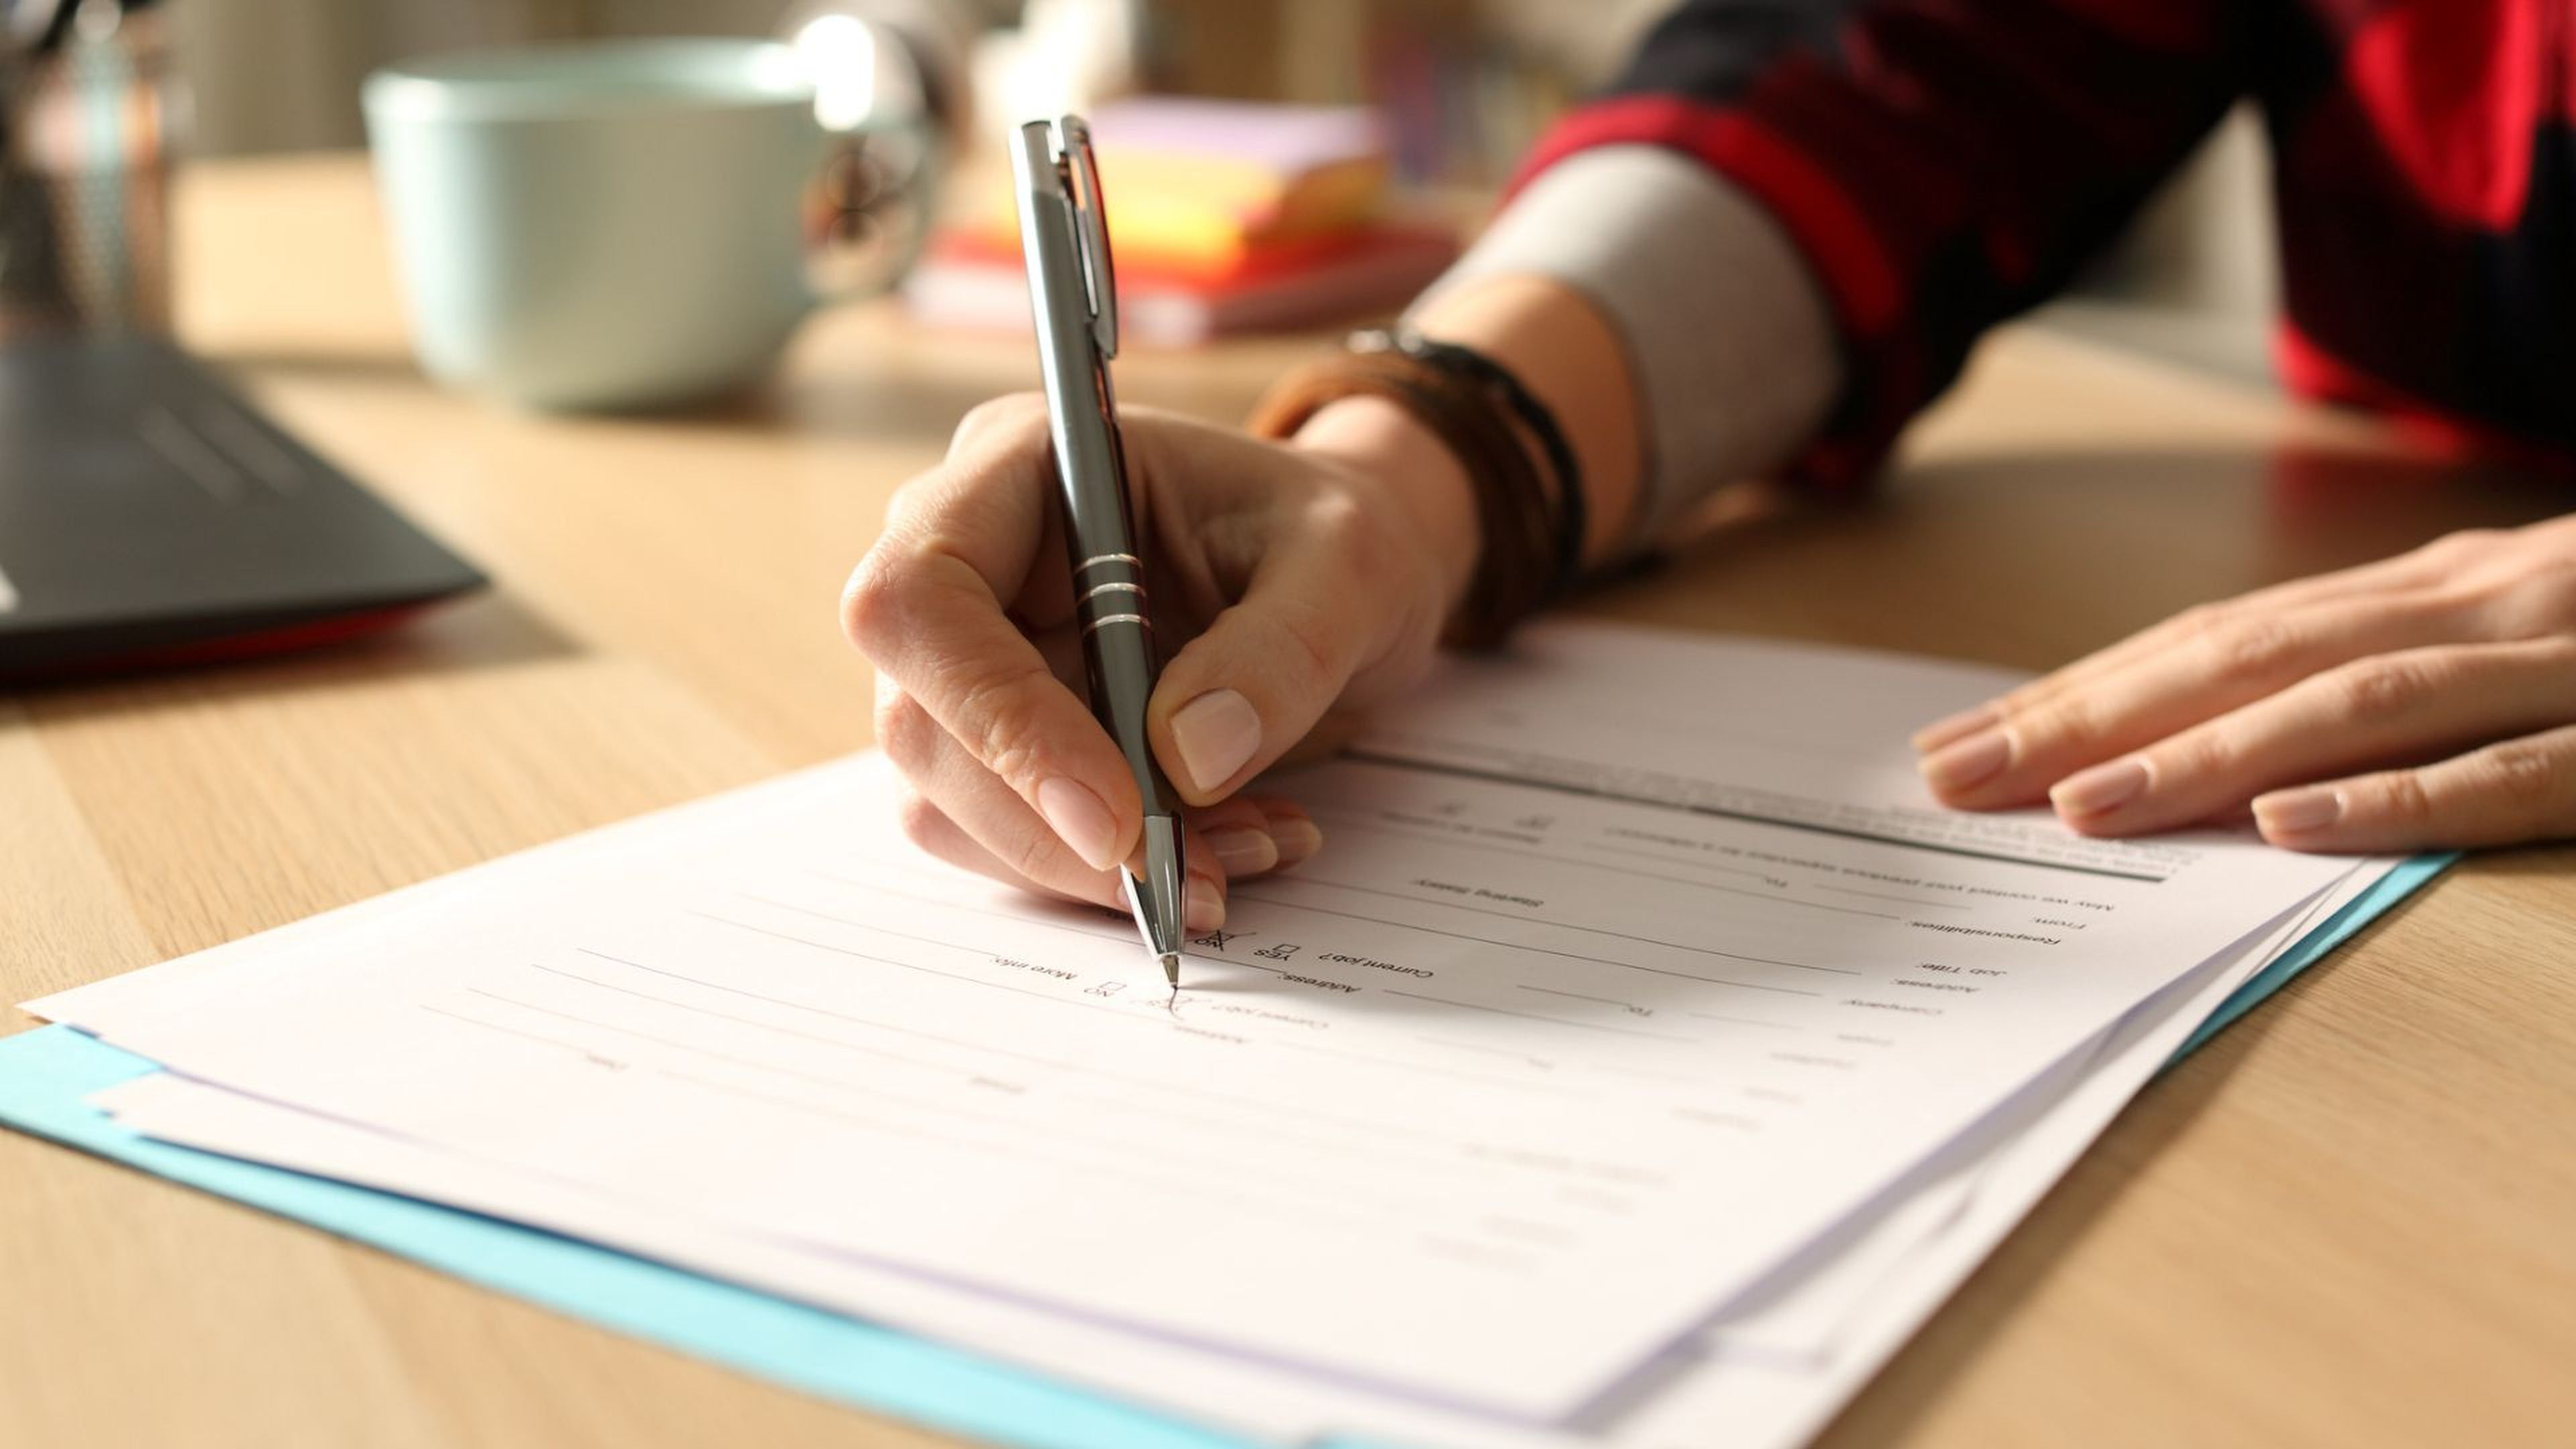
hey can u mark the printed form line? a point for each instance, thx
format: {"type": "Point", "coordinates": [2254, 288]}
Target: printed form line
{"type": "Point", "coordinates": [1303, 879]}
{"type": "Point", "coordinates": [844, 1084]}
{"type": "Point", "coordinates": [1596, 792]}
{"type": "Point", "coordinates": [1518, 945]}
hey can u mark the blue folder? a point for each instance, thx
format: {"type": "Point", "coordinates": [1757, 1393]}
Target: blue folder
{"type": "Point", "coordinates": [45, 1075]}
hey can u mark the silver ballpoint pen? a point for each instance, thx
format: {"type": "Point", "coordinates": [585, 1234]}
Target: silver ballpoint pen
{"type": "Point", "coordinates": [1064, 239]}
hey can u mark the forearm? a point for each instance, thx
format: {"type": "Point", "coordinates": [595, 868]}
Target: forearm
{"type": "Point", "coordinates": [1670, 330]}
{"type": "Point", "coordinates": [1567, 353]}
{"type": "Point", "coordinates": [1561, 349]}
{"type": "Point", "coordinates": [1674, 330]}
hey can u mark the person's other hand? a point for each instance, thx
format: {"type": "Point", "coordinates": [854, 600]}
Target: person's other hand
{"type": "Point", "coordinates": [1285, 579]}
{"type": "Point", "coordinates": [2425, 701]}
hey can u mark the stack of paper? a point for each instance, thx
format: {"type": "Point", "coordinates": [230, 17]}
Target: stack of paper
{"type": "Point", "coordinates": [1643, 1061]}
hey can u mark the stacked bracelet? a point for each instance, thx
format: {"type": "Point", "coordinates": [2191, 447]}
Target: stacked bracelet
{"type": "Point", "coordinates": [1528, 488]}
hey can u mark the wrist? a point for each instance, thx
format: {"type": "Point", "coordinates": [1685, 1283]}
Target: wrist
{"type": "Point", "coordinates": [1415, 470]}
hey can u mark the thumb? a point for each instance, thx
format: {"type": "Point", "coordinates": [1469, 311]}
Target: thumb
{"type": "Point", "coordinates": [1255, 681]}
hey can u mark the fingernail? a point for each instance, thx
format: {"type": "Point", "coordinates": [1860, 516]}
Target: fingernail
{"type": "Point", "coordinates": [1243, 850]}
{"type": "Point", "coordinates": [1202, 907]}
{"type": "Point", "coordinates": [2295, 812]}
{"type": "Point", "coordinates": [1297, 838]}
{"type": "Point", "coordinates": [1968, 762]}
{"type": "Point", "coordinates": [1215, 733]}
{"type": "Point", "coordinates": [1954, 727]}
{"type": "Point", "coordinates": [1079, 820]}
{"type": "Point", "coordinates": [2104, 787]}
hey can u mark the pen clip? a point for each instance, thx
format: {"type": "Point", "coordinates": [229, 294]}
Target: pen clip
{"type": "Point", "coordinates": [1091, 230]}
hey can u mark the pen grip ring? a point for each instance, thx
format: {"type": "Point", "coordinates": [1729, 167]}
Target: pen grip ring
{"type": "Point", "coordinates": [1118, 595]}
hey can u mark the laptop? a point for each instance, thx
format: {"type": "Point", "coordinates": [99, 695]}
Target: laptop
{"type": "Point", "coordinates": [150, 517]}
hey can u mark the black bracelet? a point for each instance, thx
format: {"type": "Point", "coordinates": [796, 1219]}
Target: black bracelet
{"type": "Point", "coordinates": [1497, 380]}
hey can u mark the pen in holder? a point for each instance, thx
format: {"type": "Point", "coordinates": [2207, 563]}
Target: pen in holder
{"type": "Point", "coordinates": [87, 116]}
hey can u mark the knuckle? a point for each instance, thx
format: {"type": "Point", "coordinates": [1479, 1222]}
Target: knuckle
{"type": "Point", "coordinates": [2023, 699]}
{"type": "Point", "coordinates": [2518, 770]}
{"type": "Point", "coordinates": [2251, 649]}
{"type": "Point", "coordinates": [907, 733]}
{"type": "Point", "coordinates": [1348, 533]}
{"type": "Point", "coordinates": [2199, 621]}
{"type": "Point", "coordinates": [2201, 754]}
{"type": "Point", "coordinates": [864, 602]}
{"type": "Point", "coordinates": [2535, 597]}
{"type": "Point", "coordinates": [1014, 418]}
{"type": "Point", "coordinates": [2404, 799]}
{"type": "Point", "coordinates": [1004, 711]}
{"type": "Point", "coordinates": [903, 583]}
{"type": "Point", "coordinates": [2072, 722]}
{"type": "Point", "coordinates": [1310, 647]}
{"type": "Point", "coordinates": [1033, 854]}
{"type": "Point", "coordinates": [880, 596]}
{"type": "Point", "coordinates": [2383, 689]}
{"type": "Point", "coordinates": [2461, 545]}
{"type": "Point", "coordinates": [2474, 605]}
{"type": "Point", "coordinates": [924, 824]}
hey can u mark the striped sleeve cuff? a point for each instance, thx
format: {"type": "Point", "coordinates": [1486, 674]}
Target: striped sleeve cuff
{"type": "Point", "coordinates": [1885, 376]}
{"type": "Point", "coordinates": [1730, 338]}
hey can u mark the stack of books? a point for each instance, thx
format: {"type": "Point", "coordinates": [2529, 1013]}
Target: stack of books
{"type": "Point", "coordinates": [1224, 216]}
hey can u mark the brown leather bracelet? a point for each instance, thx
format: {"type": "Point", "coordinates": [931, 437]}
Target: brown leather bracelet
{"type": "Point", "coordinates": [1516, 562]}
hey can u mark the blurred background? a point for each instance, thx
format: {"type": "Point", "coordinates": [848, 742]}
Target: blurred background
{"type": "Point", "coordinates": [1463, 85]}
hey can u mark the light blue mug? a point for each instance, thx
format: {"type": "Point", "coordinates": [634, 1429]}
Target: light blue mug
{"type": "Point", "coordinates": [606, 225]}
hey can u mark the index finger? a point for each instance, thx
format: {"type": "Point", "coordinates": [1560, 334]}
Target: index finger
{"type": "Point", "coordinates": [2386, 575]}
{"type": "Point", "coordinates": [928, 606]}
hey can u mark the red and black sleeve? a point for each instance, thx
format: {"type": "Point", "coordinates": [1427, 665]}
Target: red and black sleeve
{"type": "Point", "coordinates": [1942, 164]}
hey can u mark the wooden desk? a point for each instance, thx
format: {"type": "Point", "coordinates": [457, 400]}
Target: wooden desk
{"type": "Point", "coordinates": [2350, 1221]}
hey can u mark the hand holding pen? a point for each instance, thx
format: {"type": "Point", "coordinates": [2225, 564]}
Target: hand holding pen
{"type": "Point", "coordinates": [1287, 582]}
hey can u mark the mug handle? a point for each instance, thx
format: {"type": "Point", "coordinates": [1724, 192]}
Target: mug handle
{"type": "Point", "coordinates": [869, 206]}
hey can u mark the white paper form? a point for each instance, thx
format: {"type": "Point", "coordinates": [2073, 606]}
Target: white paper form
{"type": "Point", "coordinates": [1761, 1377]}
{"type": "Point", "coordinates": [1498, 1099]}
{"type": "Point", "coordinates": [1822, 1296]}
{"type": "Point", "coordinates": [1742, 1391]}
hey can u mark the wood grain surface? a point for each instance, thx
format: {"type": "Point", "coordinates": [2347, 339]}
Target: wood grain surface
{"type": "Point", "coordinates": [2349, 1221]}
